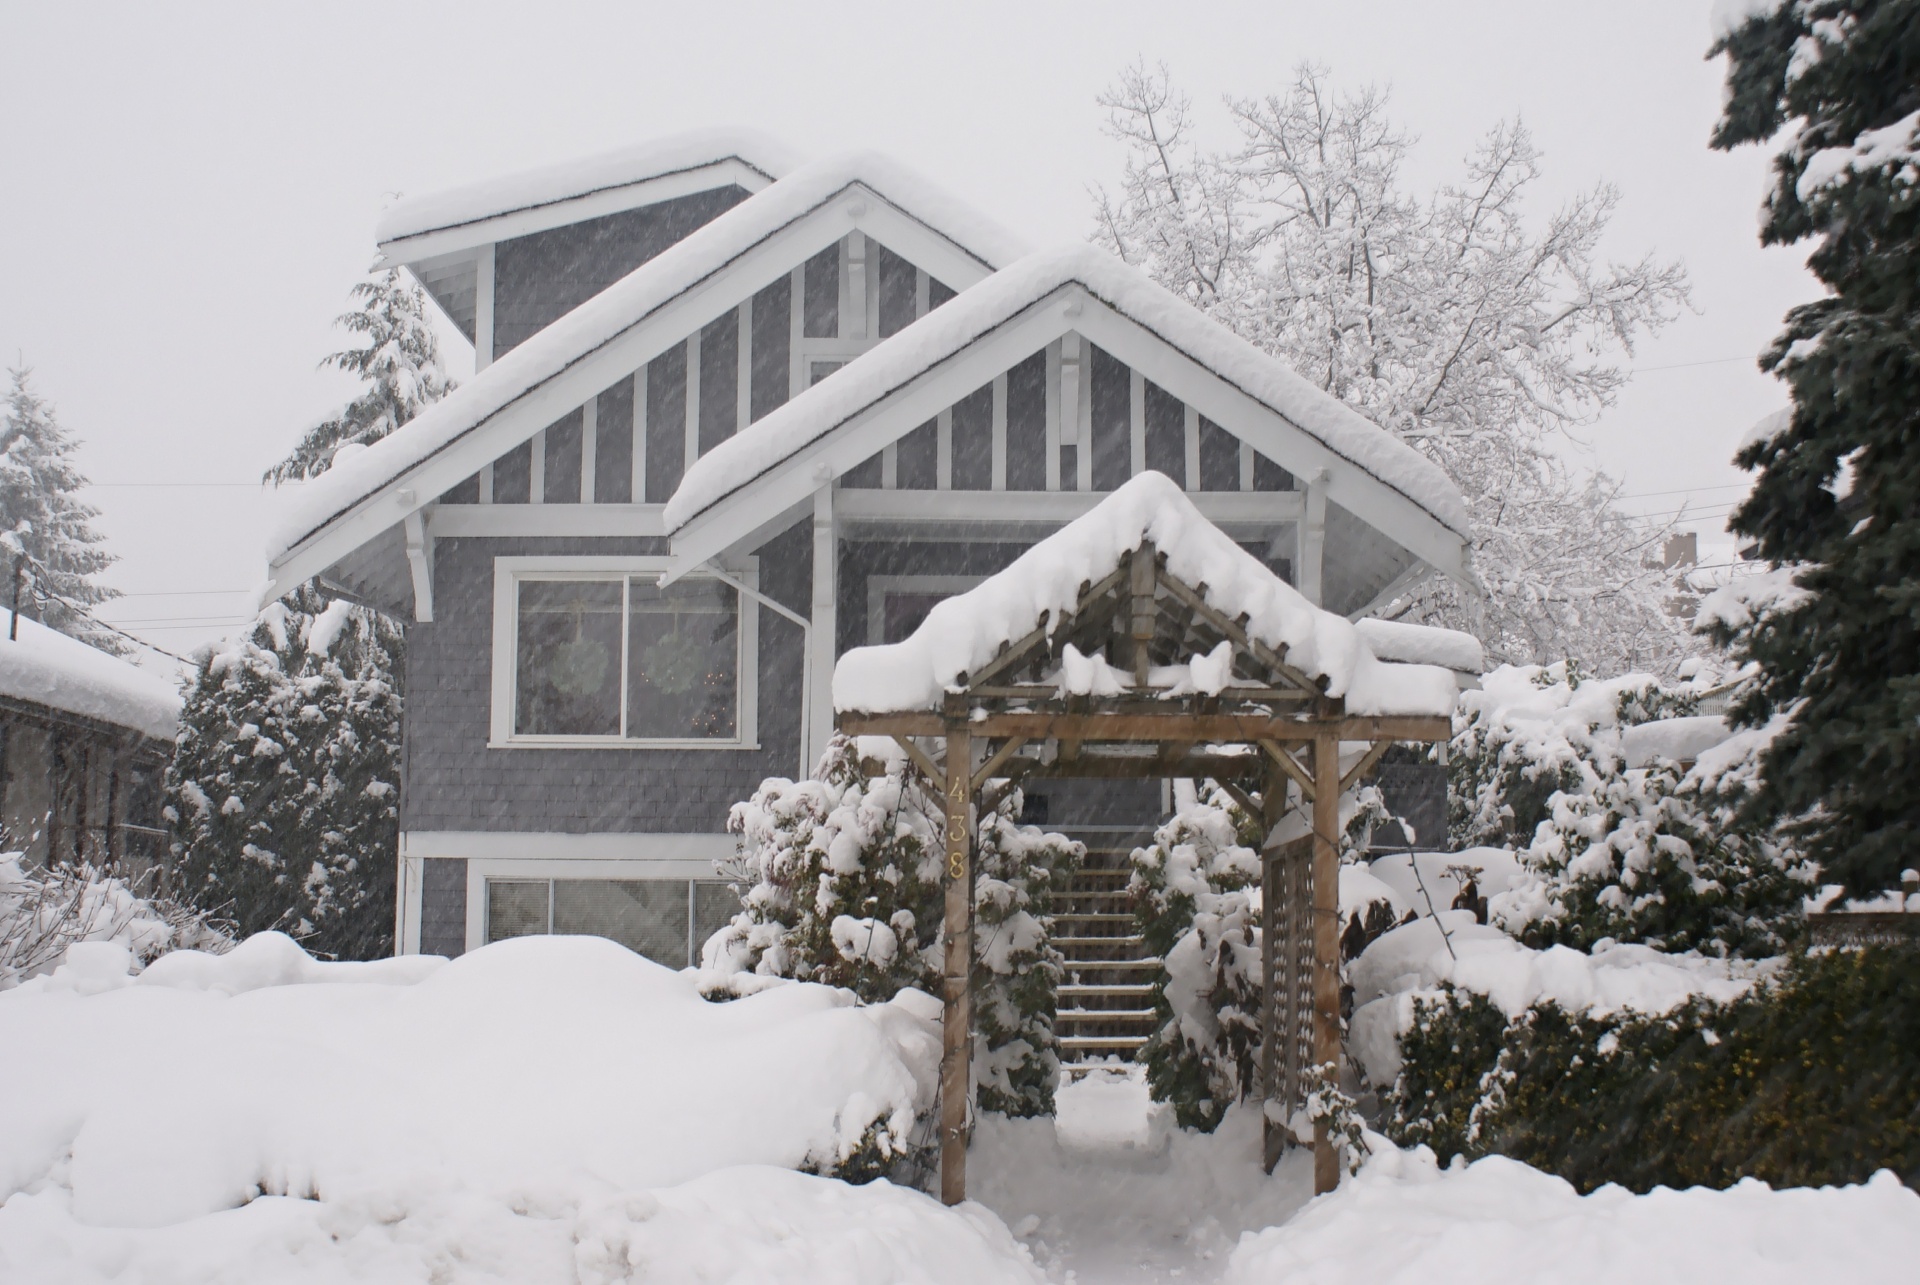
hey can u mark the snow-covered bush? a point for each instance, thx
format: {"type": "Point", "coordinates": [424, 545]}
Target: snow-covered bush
{"type": "Point", "coordinates": [1617, 840]}
{"type": "Point", "coordinates": [1810, 1077]}
{"type": "Point", "coordinates": [44, 911]}
{"type": "Point", "coordinates": [284, 789]}
{"type": "Point", "coordinates": [841, 882]}
{"type": "Point", "coordinates": [1196, 897]}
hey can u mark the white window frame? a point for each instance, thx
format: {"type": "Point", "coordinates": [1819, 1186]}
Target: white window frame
{"type": "Point", "coordinates": [508, 572]}
{"type": "Point", "coordinates": [481, 874]}
{"type": "Point", "coordinates": [878, 587]}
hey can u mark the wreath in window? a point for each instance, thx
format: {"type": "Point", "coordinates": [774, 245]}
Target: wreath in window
{"type": "Point", "coordinates": [578, 668]}
{"type": "Point", "coordinates": [674, 664]}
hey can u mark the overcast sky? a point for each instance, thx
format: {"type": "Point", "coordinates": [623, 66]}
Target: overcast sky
{"type": "Point", "coordinates": [188, 192]}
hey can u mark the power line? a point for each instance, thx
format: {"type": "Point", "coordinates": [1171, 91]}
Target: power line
{"type": "Point", "coordinates": [1684, 490]}
{"type": "Point", "coordinates": [1683, 365]}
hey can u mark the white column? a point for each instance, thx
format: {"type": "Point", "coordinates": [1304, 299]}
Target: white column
{"type": "Point", "coordinates": [825, 603]}
{"type": "Point", "coordinates": [1136, 423]}
{"type": "Point", "coordinates": [537, 469]}
{"type": "Point", "coordinates": [999, 482]}
{"type": "Point", "coordinates": [943, 450]}
{"type": "Point", "coordinates": [854, 321]}
{"type": "Point", "coordinates": [796, 331]}
{"type": "Point", "coordinates": [483, 308]}
{"type": "Point", "coordinates": [1192, 427]}
{"type": "Point", "coordinates": [589, 447]}
{"type": "Point", "coordinates": [1083, 454]}
{"type": "Point", "coordinates": [640, 436]}
{"type": "Point", "coordinates": [693, 398]}
{"type": "Point", "coordinates": [743, 370]}
{"type": "Point", "coordinates": [1052, 390]}
{"type": "Point", "coordinates": [890, 466]}
{"type": "Point", "coordinates": [1246, 466]}
{"type": "Point", "coordinates": [1313, 540]}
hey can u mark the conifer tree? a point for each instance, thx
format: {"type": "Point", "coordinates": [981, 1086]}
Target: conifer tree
{"type": "Point", "coordinates": [398, 360]}
{"type": "Point", "coordinates": [46, 523]}
{"type": "Point", "coordinates": [1837, 500]}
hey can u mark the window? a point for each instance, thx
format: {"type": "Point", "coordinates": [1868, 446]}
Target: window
{"type": "Point", "coordinates": [667, 920]}
{"type": "Point", "coordinates": [594, 651]}
{"type": "Point", "coordinates": [896, 605]}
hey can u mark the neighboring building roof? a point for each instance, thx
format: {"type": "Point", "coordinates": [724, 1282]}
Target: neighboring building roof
{"type": "Point", "coordinates": [879, 194]}
{"type": "Point", "coordinates": [964, 632]}
{"type": "Point", "coordinates": [45, 667]}
{"type": "Point", "coordinates": [608, 182]}
{"type": "Point", "coordinates": [771, 442]}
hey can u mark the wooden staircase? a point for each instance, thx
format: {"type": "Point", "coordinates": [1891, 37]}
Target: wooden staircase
{"type": "Point", "coordinates": [1106, 1001]}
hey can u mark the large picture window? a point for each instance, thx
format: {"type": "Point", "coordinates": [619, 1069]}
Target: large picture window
{"type": "Point", "coordinates": [606, 655]}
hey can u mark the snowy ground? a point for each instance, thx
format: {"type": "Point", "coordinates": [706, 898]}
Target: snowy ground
{"type": "Point", "coordinates": [560, 1110]}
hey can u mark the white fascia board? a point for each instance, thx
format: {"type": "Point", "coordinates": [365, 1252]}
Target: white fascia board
{"type": "Point", "coordinates": [831, 455]}
{"type": "Point", "coordinates": [522, 520]}
{"type": "Point", "coordinates": [731, 172]}
{"type": "Point", "coordinates": [672, 321]}
{"type": "Point", "coordinates": [1354, 489]}
{"type": "Point", "coordinates": [1070, 307]}
{"type": "Point", "coordinates": [1223, 508]}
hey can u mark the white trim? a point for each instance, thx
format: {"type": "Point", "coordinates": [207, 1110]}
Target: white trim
{"type": "Point", "coordinates": [796, 330]}
{"type": "Point", "coordinates": [661, 328]}
{"type": "Point", "coordinates": [823, 634]}
{"type": "Point", "coordinates": [525, 867]}
{"type": "Point", "coordinates": [1309, 575]}
{"type": "Point", "coordinates": [483, 308]}
{"type": "Point", "coordinates": [1246, 466]}
{"type": "Point", "coordinates": [508, 572]}
{"type": "Point", "coordinates": [1190, 428]}
{"type": "Point", "coordinates": [406, 900]}
{"type": "Point", "coordinates": [639, 486]}
{"type": "Point", "coordinates": [550, 845]}
{"type": "Point", "coordinates": [589, 446]}
{"type": "Point", "coordinates": [537, 470]}
{"type": "Point", "coordinates": [743, 368]}
{"type": "Point", "coordinates": [691, 402]}
{"type": "Point", "coordinates": [449, 520]}
{"type": "Point", "coordinates": [419, 541]}
{"type": "Point", "coordinates": [1051, 390]}
{"type": "Point", "coordinates": [878, 587]}
{"type": "Point", "coordinates": [1223, 508]}
{"type": "Point", "coordinates": [943, 450]}
{"type": "Point", "coordinates": [1136, 422]}
{"type": "Point", "coordinates": [486, 482]}
{"type": "Point", "coordinates": [548, 215]}
{"type": "Point", "coordinates": [1083, 451]}
{"type": "Point", "coordinates": [890, 466]}
{"type": "Point", "coordinates": [999, 482]}
{"type": "Point", "coordinates": [854, 320]}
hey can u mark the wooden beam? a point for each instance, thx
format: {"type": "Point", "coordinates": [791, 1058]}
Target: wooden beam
{"type": "Point", "coordinates": [998, 757]}
{"type": "Point", "coordinates": [956, 1071]}
{"type": "Point", "coordinates": [1046, 629]}
{"type": "Point", "coordinates": [1241, 797]}
{"type": "Point", "coordinates": [1367, 763]}
{"type": "Point", "coordinates": [1286, 763]}
{"type": "Point", "coordinates": [1175, 725]}
{"type": "Point", "coordinates": [1273, 660]}
{"type": "Point", "coordinates": [1273, 1133]}
{"type": "Point", "coordinates": [1326, 942]}
{"type": "Point", "coordinates": [922, 760]}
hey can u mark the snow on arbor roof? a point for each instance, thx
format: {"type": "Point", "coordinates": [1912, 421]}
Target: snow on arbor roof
{"type": "Point", "coordinates": [48, 668]}
{"type": "Point", "coordinates": [587, 176]}
{"type": "Point", "coordinates": [1423, 645]}
{"type": "Point", "coordinates": [964, 632]}
{"type": "Point", "coordinates": [682, 267]}
{"type": "Point", "coordinates": [946, 330]}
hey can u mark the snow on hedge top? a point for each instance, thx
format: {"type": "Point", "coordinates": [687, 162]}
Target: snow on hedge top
{"type": "Point", "coordinates": [965, 632]}
{"type": "Point", "coordinates": [570, 180]}
{"type": "Point", "coordinates": [701, 255]}
{"type": "Point", "coordinates": [48, 668]}
{"type": "Point", "coordinates": [1423, 645]}
{"type": "Point", "coordinates": [951, 327]}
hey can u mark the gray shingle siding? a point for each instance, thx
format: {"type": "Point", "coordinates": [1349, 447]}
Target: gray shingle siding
{"type": "Point", "coordinates": [443, 906]}
{"type": "Point", "coordinates": [455, 782]}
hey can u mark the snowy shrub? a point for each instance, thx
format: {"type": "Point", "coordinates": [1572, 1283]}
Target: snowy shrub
{"type": "Point", "coordinates": [1196, 895]}
{"type": "Point", "coordinates": [44, 911]}
{"type": "Point", "coordinates": [283, 794]}
{"type": "Point", "coordinates": [1810, 1078]}
{"type": "Point", "coordinates": [841, 882]}
{"type": "Point", "coordinates": [1653, 853]}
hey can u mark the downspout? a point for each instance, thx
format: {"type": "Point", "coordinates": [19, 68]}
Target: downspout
{"type": "Point", "coordinates": [806, 654]}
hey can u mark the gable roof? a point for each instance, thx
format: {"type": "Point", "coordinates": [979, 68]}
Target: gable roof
{"type": "Point", "coordinates": [785, 455]}
{"type": "Point", "coordinates": [554, 195]}
{"type": "Point", "coordinates": [615, 332]}
{"type": "Point", "coordinates": [45, 667]}
{"type": "Point", "coordinates": [964, 633]}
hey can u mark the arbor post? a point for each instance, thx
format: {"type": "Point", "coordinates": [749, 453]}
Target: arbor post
{"type": "Point", "coordinates": [1273, 1133]}
{"type": "Point", "coordinates": [1326, 941]}
{"type": "Point", "coordinates": [956, 1071]}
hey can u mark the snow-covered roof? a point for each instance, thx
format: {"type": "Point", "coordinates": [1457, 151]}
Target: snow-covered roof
{"type": "Point", "coordinates": [48, 668]}
{"type": "Point", "coordinates": [571, 340]}
{"type": "Point", "coordinates": [1424, 645]}
{"type": "Point", "coordinates": [587, 176]}
{"type": "Point", "coordinates": [784, 432]}
{"type": "Point", "coordinates": [966, 631]}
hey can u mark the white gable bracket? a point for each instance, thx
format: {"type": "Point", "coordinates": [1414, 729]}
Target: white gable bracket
{"type": "Point", "coordinates": [420, 559]}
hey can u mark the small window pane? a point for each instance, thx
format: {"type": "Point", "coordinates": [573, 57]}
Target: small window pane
{"type": "Point", "coordinates": [516, 908]}
{"type": "Point", "coordinates": [647, 916]}
{"type": "Point", "coordinates": [568, 670]}
{"type": "Point", "coordinates": [902, 613]}
{"type": "Point", "coordinates": [821, 369]}
{"type": "Point", "coordinates": [714, 906]}
{"type": "Point", "coordinates": [684, 661]}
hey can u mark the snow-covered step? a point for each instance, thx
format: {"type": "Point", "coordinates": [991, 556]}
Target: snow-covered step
{"type": "Point", "coordinates": [1094, 965]}
{"type": "Point", "coordinates": [1090, 943]}
{"type": "Point", "coordinates": [1093, 917]}
{"type": "Point", "coordinates": [1125, 990]}
{"type": "Point", "coordinates": [1093, 1043]}
{"type": "Point", "coordinates": [1104, 1015]}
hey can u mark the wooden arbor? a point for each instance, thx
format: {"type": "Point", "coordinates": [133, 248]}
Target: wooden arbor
{"type": "Point", "coordinates": [1270, 735]}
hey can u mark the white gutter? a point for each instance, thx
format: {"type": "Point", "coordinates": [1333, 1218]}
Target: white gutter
{"type": "Point", "coordinates": [806, 655]}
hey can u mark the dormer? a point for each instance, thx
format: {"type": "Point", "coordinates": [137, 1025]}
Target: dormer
{"type": "Point", "coordinates": [506, 258]}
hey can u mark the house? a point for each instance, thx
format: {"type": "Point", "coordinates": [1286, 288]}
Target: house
{"type": "Point", "coordinates": [85, 739]}
{"type": "Point", "coordinates": [735, 415]}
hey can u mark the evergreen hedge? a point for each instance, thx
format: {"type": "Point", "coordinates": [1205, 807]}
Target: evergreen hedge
{"type": "Point", "coordinates": [1810, 1079]}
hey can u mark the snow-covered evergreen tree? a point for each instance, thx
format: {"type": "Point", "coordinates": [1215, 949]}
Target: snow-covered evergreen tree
{"type": "Point", "coordinates": [1837, 499]}
{"type": "Point", "coordinates": [1450, 319]}
{"type": "Point", "coordinates": [43, 520]}
{"type": "Point", "coordinates": [399, 362]}
{"type": "Point", "coordinates": [841, 882]}
{"type": "Point", "coordinates": [284, 789]}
